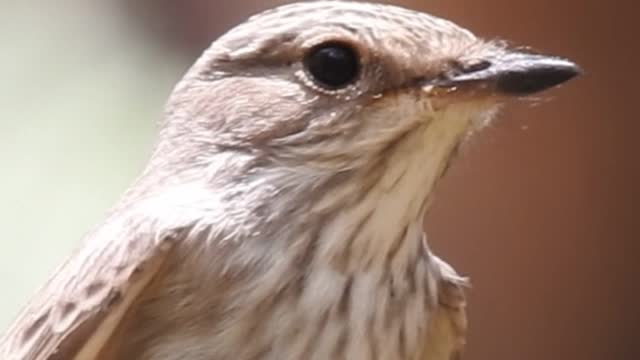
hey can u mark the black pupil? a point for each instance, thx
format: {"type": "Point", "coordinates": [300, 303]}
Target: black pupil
{"type": "Point", "coordinates": [333, 65]}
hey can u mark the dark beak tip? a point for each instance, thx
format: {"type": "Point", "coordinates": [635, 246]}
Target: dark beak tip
{"type": "Point", "coordinates": [537, 77]}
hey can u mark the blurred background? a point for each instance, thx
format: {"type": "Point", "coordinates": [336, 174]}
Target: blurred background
{"type": "Point", "coordinates": [540, 210]}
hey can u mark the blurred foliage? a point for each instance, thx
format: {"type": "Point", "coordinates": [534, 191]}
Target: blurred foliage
{"type": "Point", "coordinates": [79, 99]}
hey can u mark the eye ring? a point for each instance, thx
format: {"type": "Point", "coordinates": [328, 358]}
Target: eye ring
{"type": "Point", "coordinates": [332, 65]}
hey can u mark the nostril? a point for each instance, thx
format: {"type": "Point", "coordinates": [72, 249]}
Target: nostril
{"type": "Point", "coordinates": [476, 66]}
{"type": "Point", "coordinates": [458, 68]}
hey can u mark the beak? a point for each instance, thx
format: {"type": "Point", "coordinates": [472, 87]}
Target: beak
{"type": "Point", "coordinates": [515, 73]}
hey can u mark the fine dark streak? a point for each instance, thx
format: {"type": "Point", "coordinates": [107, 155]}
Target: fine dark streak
{"type": "Point", "coordinates": [396, 304]}
{"type": "Point", "coordinates": [397, 180]}
{"type": "Point", "coordinates": [329, 185]}
{"type": "Point", "coordinates": [345, 298]}
{"type": "Point", "coordinates": [410, 276]}
{"type": "Point", "coordinates": [308, 253]}
{"type": "Point", "coordinates": [308, 349]}
{"type": "Point", "coordinates": [366, 188]}
{"type": "Point", "coordinates": [395, 246]}
{"type": "Point", "coordinates": [297, 285]}
{"type": "Point", "coordinates": [66, 309]}
{"type": "Point", "coordinates": [447, 164]}
{"type": "Point", "coordinates": [262, 353]}
{"type": "Point", "coordinates": [35, 326]}
{"type": "Point", "coordinates": [343, 260]}
{"type": "Point", "coordinates": [402, 346]}
{"type": "Point", "coordinates": [371, 339]}
{"type": "Point", "coordinates": [341, 345]}
{"type": "Point", "coordinates": [95, 288]}
{"type": "Point", "coordinates": [390, 147]}
{"type": "Point", "coordinates": [422, 252]}
{"type": "Point", "coordinates": [261, 314]}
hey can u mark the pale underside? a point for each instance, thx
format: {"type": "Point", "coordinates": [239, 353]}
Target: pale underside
{"type": "Point", "coordinates": [182, 295]}
{"type": "Point", "coordinates": [443, 340]}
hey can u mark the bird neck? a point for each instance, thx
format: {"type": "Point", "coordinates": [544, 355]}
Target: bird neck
{"type": "Point", "coordinates": [366, 217]}
{"type": "Point", "coordinates": [377, 213]}
{"type": "Point", "coordinates": [351, 221]}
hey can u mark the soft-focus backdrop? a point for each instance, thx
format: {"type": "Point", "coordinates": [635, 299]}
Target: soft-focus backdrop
{"type": "Point", "coordinates": [540, 210]}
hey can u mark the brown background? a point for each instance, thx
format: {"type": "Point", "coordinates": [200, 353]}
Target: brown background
{"type": "Point", "coordinates": [539, 210]}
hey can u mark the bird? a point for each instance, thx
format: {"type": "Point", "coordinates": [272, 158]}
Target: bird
{"type": "Point", "coordinates": [280, 213]}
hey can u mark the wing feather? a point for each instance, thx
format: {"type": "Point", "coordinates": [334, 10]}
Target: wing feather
{"type": "Point", "coordinates": [78, 309]}
{"type": "Point", "coordinates": [448, 327]}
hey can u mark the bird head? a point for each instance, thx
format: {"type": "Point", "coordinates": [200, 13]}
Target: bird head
{"type": "Point", "coordinates": [337, 85]}
{"type": "Point", "coordinates": [343, 98]}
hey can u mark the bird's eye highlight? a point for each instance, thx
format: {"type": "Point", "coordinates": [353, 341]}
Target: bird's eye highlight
{"type": "Point", "coordinates": [332, 65]}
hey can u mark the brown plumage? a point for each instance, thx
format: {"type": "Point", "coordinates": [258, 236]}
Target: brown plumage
{"type": "Point", "coordinates": [280, 214]}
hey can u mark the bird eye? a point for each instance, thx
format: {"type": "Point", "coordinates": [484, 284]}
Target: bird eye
{"type": "Point", "coordinates": [332, 65]}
